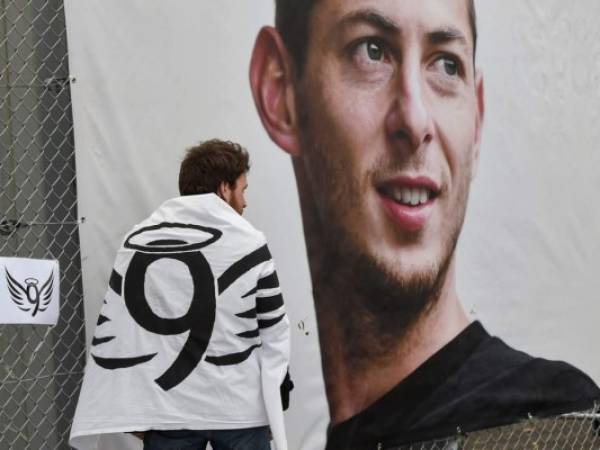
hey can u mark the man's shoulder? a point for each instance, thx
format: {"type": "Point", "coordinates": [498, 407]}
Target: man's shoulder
{"type": "Point", "coordinates": [199, 221]}
{"type": "Point", "coordinates": [206, 210]}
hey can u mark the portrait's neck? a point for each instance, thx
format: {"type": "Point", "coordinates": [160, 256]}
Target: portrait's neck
{"type": "Point", "coordinates": [351, 389]}
{"type": "Point", "coordinates": [360, 363]}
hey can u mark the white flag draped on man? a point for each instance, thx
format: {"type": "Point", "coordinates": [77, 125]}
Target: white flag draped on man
{"type": "Point", "coordinates": [29, 291]}
{"type": "Point", "coordinates": [193, 332]}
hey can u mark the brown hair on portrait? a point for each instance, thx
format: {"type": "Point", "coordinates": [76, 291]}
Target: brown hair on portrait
{"type": "Point", "coordinates": [211, 163]}
{"type": "Point", "coordinates": [292, 19]}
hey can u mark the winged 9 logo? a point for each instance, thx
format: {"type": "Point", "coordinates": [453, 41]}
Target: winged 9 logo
{"type": "Point", "coordinates": [28, 296]}
{"type": "Point", "coordinates": [200, 317]}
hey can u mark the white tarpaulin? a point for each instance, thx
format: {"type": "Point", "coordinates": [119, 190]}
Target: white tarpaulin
{"type": "Point", "coordinates": [29, 291]}
{"type": "Point", "coordinates": [155, 77]}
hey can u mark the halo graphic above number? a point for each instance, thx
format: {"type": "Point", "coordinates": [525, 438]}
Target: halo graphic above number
{"type": "Point", "coordinates": [171, 246]}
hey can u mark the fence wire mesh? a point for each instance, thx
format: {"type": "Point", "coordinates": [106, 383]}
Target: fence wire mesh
{"type": "Point", "coordinates": [40, 366]}
{"type": "Point", "coordinates": [576, 431]}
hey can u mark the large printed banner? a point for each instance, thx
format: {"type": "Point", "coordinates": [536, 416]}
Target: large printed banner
{"type": "Point", "coordinates": [425, 174]}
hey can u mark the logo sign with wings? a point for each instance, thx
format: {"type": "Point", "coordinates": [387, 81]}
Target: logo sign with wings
{"type": "Point", "coordinates": [30, 297]}
{"type": "Point", "coordinates": [28, 291]}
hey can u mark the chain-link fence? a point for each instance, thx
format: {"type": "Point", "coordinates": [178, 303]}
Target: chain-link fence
{"type": "Point", "coordinates": [40, 366]}
{"type": "Point", "coordinates": [577, 431]}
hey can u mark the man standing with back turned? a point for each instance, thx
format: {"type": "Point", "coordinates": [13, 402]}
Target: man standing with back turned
{"type": "Point", "coordinates": [192, 342]}
{"type": "Point", "coordinates": [381, 107]}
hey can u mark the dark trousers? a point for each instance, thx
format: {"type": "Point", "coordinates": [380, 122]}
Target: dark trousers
{"type": "Point", "coordinates": [241, 439]}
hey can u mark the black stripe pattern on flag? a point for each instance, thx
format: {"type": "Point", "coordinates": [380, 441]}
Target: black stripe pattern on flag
{"type": "Point", "coordinates": [268, 282]}
{"type": "Point", "coordinates": [102, 319]}
{"type": "Point", "coordinates": [250, 292]}
{"type": "Point", "coordinates": [121, 363]}
{"type": "Point", "coordinates": [232, 358]}
{"type": "Point", "coordinates": [248, 334]}
{"type": "Point", "coordinates": [268, 304]}
{"type": "Point", "coordinates": [115, 282]}
{"type": "Point", "coordinates": [250, 314]}
{"type": "Point", "coordinates": [266, 323]}
{"type": "Point", "coordinates": [98, 341]}
{"type": "Point", "coordinates": [242, 266]}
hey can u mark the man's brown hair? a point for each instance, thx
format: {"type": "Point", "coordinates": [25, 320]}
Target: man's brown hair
{"type": "Point", "coordinates": [211, 163]}
{"type": "Point", "coordinates": [292, 19]}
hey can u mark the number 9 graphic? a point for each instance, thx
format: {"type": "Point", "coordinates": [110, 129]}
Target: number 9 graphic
{"type": "Point", "coordinates": [198, 320]}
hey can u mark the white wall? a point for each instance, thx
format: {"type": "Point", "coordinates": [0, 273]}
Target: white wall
{"type": "Point", "coordinates": [153, 78]}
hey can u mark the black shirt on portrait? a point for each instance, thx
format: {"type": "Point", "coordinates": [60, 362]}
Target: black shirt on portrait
{"type": "Point", "coordinates": [474, 382]}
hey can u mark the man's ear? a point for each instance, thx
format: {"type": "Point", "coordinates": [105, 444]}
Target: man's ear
{"type": "Point", "coordinates": [224, 191]}
{"type": "Point", "coordinates": [271, 80]}
{"type": "Point", "coordinates": [480, 113]}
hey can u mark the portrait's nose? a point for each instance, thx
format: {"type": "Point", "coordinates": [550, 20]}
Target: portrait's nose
{"type": "Point", "coordinates": [409, 118]}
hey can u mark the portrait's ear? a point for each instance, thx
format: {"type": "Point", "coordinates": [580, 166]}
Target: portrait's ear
{"type": "Point", "coordinates": [272, 89]}
{"type": "Point", "coordinates": [480, 99]}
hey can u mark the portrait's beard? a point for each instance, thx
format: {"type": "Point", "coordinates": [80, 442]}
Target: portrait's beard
{"type": "Point", "coordinates": [380, 308]}
{"type": "Point", "coordinates": [364, 306]}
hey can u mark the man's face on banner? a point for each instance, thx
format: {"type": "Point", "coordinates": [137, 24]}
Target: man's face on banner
{"type": "Point", "coordinates": [390, 110]}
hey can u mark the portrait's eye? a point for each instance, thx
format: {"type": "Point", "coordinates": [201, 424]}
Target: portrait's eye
{"type": "Point", "coordinates": [371, 59]}
{"type": "Point", "coordinates": [446, 73]}
{"type": "Point", "coordinates": [374, 51]}
{"type": "Point", "coordinates": [370, 51]}
{"type": "Point", "coordinates": [448, 66]}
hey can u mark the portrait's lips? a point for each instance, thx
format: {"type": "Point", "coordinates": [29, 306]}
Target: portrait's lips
{"type": "Point", "coordinates": [408, 200]}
